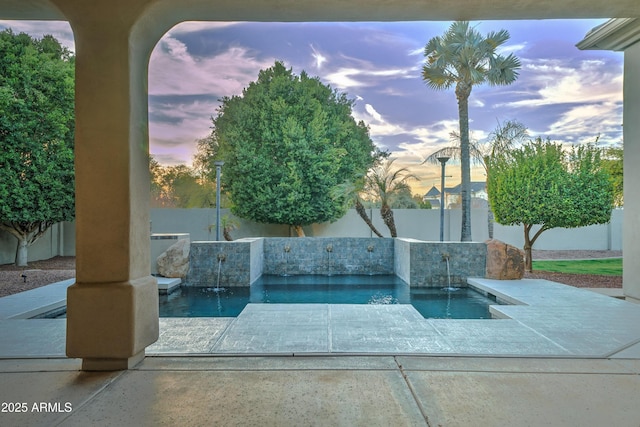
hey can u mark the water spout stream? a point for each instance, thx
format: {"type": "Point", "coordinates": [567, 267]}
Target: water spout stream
{"type": "Point", "coordinates": [221, 258]}
{"type": "Point", "coordinates": [449, 287]}
{"type": "Point", "coordinates": [287, 249]}
{"type": "Point", "coordinates": [217, 288]}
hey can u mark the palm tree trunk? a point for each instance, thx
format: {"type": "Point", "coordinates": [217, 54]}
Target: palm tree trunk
{"type": "Point", "coordinates": [387, 217]}
{"type": "Point", "coordinates": [463, 90]}
{"type": "Point", "coordinates": [363, 214]}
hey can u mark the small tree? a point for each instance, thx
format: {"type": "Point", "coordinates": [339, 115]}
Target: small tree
{"type": "Point", "coordinates": [36, 137]}
{"type": "Point", "coordinates": [349, 193]}
{"type": "Point", "coordinates": [386, 184]}
{"type": "Point", "coordinates": [286, 143]}
{"type": "Point", "coordinates": [541, 184]}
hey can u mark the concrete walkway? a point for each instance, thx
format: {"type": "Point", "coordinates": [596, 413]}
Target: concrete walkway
{"type": "Point", "coordinates": [325, 391]}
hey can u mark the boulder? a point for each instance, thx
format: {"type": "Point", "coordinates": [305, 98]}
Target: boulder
{"type": "Point", "coordinates": [174, 262]}
{"type": "Point", "coordinates": [504, 262]}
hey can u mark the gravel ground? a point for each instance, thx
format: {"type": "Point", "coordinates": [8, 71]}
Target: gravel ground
{"type": "Point", "coordinates": [40, 273]}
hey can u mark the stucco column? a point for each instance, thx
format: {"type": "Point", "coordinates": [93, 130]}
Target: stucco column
{"type": "Point", "coordinates": [112, 309]}
{"type": "Point", "coordinates": [631, 123]}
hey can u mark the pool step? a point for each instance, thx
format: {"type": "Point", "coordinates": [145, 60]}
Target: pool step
{"type": "Point", "coordinates": [166, 285]}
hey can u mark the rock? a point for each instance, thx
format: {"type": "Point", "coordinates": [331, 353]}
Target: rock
{"type": "Point", "coordinates": [174, 262]}
{"type": "Point", "coordinates": [504, 262]}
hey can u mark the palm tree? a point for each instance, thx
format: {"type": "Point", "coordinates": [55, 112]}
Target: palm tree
{"type": "Point", "coordinates": [349, 192]}
{"type": "Point", "coordinates": [384, 185]}
{"type": "Point", "coordinates": [464, 58]}
{"type": "Point", "coordinates": [505, 136]}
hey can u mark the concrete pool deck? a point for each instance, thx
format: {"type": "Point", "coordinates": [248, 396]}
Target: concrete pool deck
{"type": "Point", "coordinates": [565, 357]}
{"type": "Point", "coordinates": [546, 319]}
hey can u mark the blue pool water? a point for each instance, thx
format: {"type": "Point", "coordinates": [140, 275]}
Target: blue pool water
{"type": "Point", "coordinates": [459, 303]}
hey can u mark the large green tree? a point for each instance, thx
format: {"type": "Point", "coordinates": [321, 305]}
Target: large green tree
{"type": "Point", "coordinates": [463, 58]}
{"type": "Point", "coordinates": [542, 184]}
{"type": "Point", "coordinates": [287, 141]}
{"type": "Point", "coordinates": [36, 137]}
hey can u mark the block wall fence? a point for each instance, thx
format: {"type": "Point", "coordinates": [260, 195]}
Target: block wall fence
{"type": "Point", "coordinates": [416, 224]}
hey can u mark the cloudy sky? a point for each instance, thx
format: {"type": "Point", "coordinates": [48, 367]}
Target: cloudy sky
{"type": "Point", "coordinates": [562, 93]}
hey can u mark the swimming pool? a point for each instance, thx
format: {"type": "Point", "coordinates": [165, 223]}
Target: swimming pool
{"type": "Point", "coordinates": [454, 303]}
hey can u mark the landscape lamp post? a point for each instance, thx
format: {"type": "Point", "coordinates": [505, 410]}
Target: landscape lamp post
{"type": "Point", "coordinates": [218, 168]}
{"type": "Point", "coordinates": [443, 161]}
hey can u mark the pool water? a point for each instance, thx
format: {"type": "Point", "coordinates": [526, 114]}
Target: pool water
{"type": "Point", "coordinates": [454, 303]}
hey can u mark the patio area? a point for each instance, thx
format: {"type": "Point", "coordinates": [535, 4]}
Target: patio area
{"type": "Point", "coordinates": [326, 391]}
{"type": "Point", "coordinates": [561, 356]}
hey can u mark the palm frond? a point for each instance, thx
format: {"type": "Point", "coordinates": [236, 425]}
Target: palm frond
{"type": "Point", "coordinates": [506, 136]}
{"type": "Point", "coordinates": [463, 54]}
{"type": "Point", "coordinates": [496, 38]}
{"type": "Point", "coordinates": [503, 70]}
{"type": "Point", "coordinates": [452, 151]}
{"type": "Point", "coordinates": [438, 78]}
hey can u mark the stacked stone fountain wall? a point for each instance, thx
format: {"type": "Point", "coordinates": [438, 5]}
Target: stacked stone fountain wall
{"type": "Point", "coordinates": [328, 256]}
{"type": "Point", "coordinates": [419, 263]}
{"type": "Point", "coordinates": [424, 264]}
{"type": "Point", "coordinates": [242, 263]}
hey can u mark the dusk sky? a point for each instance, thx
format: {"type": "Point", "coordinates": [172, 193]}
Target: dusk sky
{"type": "Point", "coordinates": [568, 95]}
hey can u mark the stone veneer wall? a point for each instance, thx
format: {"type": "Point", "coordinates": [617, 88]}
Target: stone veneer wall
{"type": "Point", "coordinates": [423, 264]}
{"type": "Point", "coordinates": [328, 255]}
{"type": "Point", "coordinates": [242, 262]}
{"type": "Point", "coordinates": [419, 263]}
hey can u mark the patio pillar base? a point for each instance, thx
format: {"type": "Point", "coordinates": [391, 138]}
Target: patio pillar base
{"type": "Point", "coordinates": [91, 364]}
{"type": "Point", "coordinates": [110, 324]}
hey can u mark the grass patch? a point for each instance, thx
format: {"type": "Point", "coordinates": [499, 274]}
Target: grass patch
{"type": "Point", "coordinates": [605, 267]}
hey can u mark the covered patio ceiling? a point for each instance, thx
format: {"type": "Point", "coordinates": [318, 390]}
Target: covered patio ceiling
{"type": "Point", "coordinates": [335, 10]}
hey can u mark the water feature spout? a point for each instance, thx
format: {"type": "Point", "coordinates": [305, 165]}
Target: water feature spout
{"type": "Point", "coordinates": [446, 257]}
{"type": "Point", "coordinates": [329, 248]}
{"type": "Point", "coordinates": [287, 249]}
{"type": "Point", "coordinates": [370, 249]}
{"type": "Point", "coordinates": [221, 258]}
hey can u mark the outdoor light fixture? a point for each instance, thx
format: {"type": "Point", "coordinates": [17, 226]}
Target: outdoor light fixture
{"type": "Point", "coordinates": [218, 164]}
{"type": "Point", "coordinates": [443, 161]}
